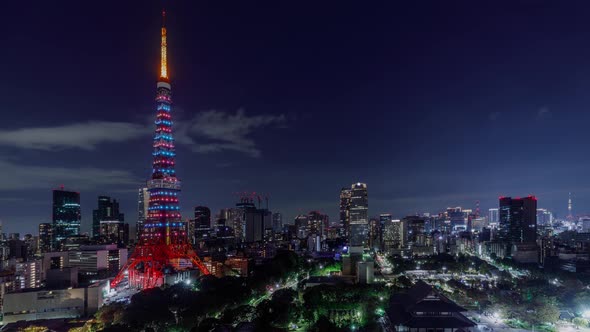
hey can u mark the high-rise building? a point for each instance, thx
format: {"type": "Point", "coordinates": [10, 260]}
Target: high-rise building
{"type": "Point", "coordinates": [114, 231]}
{"type": "Point", "coordinates": [28, 274]}
{"type": "Point", "coordinates": [277, 222]}
{"type": "Point", "coordinates": [17, 249]}
{"type": "Point", "coordinates": [318, 223]}
{"type": "Point", "coordinates": [66, 215]}
{"type": "Point", "coordinates": [374, 233]}
{"type": "Point", "coordinates": [108, 210]}
{"type": "Point", "coordinates": [143, 203]}
{"type": "Point", "coordinates": [345, 212]}
{"type": "Point", "coordinates": [544, 217]}
{"type": "Point", "coordinates": [415, 228]}
{"type": "Point", "coordinates": [45, 235]}
{"type": "Point", "coordinates": [518, 220]}
{"type": "Point", "coordinates": [359, 217]}
{"type": "Point", "coordinates": [302, 228]}
{"type": "Point", "coordinates": [401, 233]}
{"type": "Point", "coordinates": [494, 216]}
{"type": "Point", "coordinates": [32, 243]}
{"type": "Point", "coordinates": [202, 222]}
{"type": "Point", "coordinates": [384, 220]}
{"type": "Point", "coordinates": [458, 218]}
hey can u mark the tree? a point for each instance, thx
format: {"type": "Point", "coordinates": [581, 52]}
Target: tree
{"type": "Point", "coordinates": [323, 324]}
{"type": "Point", "coordinates": [581, 300]}
{"type": "Point", "coordinates": [404, 281]}
{"type": "Point", "coordinates": [110, 314]}
{"type": "Point", "coordinates": [544, 310]}
{"type": "Point", "coordinates": [34, 328]}
{"type": "Point", "coordinates": [207, 324]}
{"type": "Point", "coordinates": [580, 322]}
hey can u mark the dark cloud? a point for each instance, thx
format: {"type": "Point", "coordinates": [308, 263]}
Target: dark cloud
{"type": "Point", "coordinates": [84, 136]}
{"type": "Point", "coordinates": [24, 177]}
{"type": "Point", "coordinates": [216, 131]}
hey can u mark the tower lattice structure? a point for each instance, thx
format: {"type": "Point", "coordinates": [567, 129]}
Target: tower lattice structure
{"type": "Point", "coordinates": [163, 243]}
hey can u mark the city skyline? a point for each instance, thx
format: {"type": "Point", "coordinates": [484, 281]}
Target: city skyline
{"type": "Point", "coordinates": [289, 139]}
{"type": "Point", "coordinates": [363, 180]}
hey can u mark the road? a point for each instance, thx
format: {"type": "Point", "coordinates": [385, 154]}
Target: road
{"type": "Point", "coordinates": [267, 295]}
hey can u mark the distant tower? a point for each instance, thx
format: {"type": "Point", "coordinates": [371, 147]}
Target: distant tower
{"type": "Point", "coordinates": [570, 215]}
{"type": "Point", "coordinates": [163, 245]}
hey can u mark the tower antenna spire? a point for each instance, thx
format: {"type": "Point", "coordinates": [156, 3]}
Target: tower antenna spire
{"type": "Point", "coordinates": [163, 50]}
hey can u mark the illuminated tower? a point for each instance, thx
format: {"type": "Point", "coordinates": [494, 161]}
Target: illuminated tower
{"type": "Point", "coordinates": [164, 223]}
{"type": "Point", "coordinates": [570, 216]}
{"type": "Point", "coordinates": [163, 245]}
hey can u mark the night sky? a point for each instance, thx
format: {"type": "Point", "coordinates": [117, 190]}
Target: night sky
{"type": "Point", "coordinates": [431, 103]}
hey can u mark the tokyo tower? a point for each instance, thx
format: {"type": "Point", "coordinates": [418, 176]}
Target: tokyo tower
{"type": "Point", "coordinates": [163, 243]}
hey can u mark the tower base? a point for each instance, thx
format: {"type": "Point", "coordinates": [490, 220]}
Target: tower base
{"type": "Point", "coordinates": [148, 265]}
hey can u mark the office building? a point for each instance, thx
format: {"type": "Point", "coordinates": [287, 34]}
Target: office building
{"type": "Point", "coordinates": [28, 275]}
{"type": "Point", "coordinates": [66, 216]}
{"type": "Point", "coordinates": [359, 218]}
{"type": "Point", "coordinates": [375, 233]}
{"type": "Point", "coordinates": [108, 209]}
{"type": "Point", "coordinates": [202, 222]}
{"type": "Point", "coordinates": [365, 271]}
{"type": "Point", "coordinates": [345, 212]}
{"type": "Point", "coordinates": [98, 260]}
{"type": "Point", "coordinates": [17, 250]}
{"type": "Point", "coordinates": [45, 235]}
{"type": "Point", "coordinates": [458, 218]}
{"type": "Point", "coordinates": [143, 203]}
{"type": "Point", "coordinates": [54, 260]}
{"type": "Point", "coordinates": [254, 224]}
{"type": "Point", "coordinates": [114, 231]}
{"type": "Point", "coordinates": [277, 222]}
{"type": "Point", "coordinates": [518, 223]}
{"type": "Point", "coordinates": [544, 217]}
{"type": "Point", "coordinates": [302, 227]}
{"type": "Point", "coordinates": [518, 220]}
{"type": "Point", "coordinates": [318, 223]}
{"type": "Point", "coordinates": [384, 220]}
{"type": "Point", "coordinates": [416, 229]}
{"type": "Point", "coordinates": [494, 216]}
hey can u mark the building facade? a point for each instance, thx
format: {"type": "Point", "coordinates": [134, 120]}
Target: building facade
{"type": "Point", "coordinates": [518, 220]}
{"type": "Point", "coordinates": [45, 236]}
{"type": "Point", "coordinates": [359, 217]}
{"type": "Point", "coordinates": [345, 212]}
{"type": "Point", "coordinates": [108, 209]}
{"type": "Point", "coordinates": [66, 216]}
{"type": "Point", "coordinates": [143, 201]}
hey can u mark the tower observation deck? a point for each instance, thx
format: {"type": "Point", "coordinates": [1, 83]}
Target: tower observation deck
{"type": "Point", "coordinates": [163, 242]}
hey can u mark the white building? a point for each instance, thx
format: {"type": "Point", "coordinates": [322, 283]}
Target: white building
{"type": "Point", "coordinates": [54, 304]}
